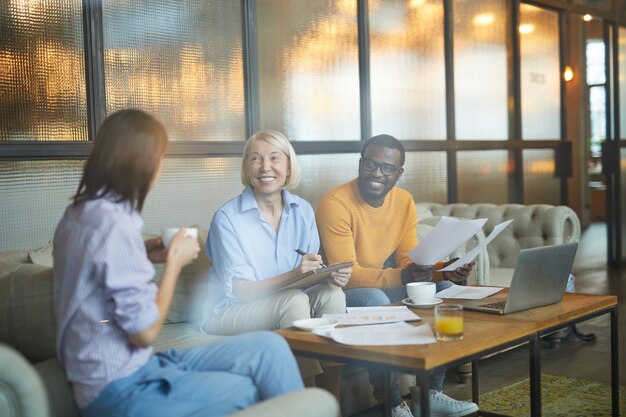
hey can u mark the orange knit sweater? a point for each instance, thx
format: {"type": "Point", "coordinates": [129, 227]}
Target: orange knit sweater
{"type": "Point", "coordinates": [352, 230]}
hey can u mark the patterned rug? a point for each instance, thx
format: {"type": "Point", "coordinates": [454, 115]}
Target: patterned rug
{"type": "Point", "coordinates": [560, 396]}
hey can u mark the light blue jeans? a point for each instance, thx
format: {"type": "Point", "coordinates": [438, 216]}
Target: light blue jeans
{"type": "Point", "coordinates": [214, 379]}
{"type": "Point", "coordinates": [372, 297]}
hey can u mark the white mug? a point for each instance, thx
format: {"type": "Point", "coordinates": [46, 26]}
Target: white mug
{"type": "Point", "coordinates": [168, 233]}
{"type": "Point", "coordinates": [421, 292]}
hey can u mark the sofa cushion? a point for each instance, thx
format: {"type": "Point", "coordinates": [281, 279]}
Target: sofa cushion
{"type": "Point", "coordinates": [58, 389]}
{"type": "Point", "coordinates": [27, 311]}
{"type": "Point", "coordinates": [41, 256]}
{"type": "Point", "coordinates": [14, 256]}
{"type": "Point", "coordinates": [190, 292]}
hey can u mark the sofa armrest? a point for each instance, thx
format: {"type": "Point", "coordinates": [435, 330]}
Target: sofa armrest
{"type": "Point", "coordinates": [311, 402]}
{"type": "Point", "coordinates": [21, 391]}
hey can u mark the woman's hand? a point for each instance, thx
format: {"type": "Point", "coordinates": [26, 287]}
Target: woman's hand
{"type": "Point", "coordinates": [309, 262]}
{"type": "Point", "coordinates": [341, 277]}
{"type": "Point", "coordinates": [183, 249]}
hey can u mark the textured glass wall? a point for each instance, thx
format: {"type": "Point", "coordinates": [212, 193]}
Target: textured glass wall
{"type": "Point", "coordinates": [42, 71]}
{"type": "Point", "coordinates": [407, 69]}
{"type": "Point", "coordinates": [181, 61]}
{"type": "Point", "coordinates": [540, 73]}
{"type": "Point", "coordinates": [34, 194]}
{"type": "Point", "coordinates": [480, 69]}
{"type": "Point", "coordinates": [426, 176]}
{"type": "Point", "coordinates": [321, 173]}
{"type": "Point", "coordinates": [308, 68]}
{"type": "Point", "coordinates": [483, 176]}
{"type": "Point", "coordinates": [33, 197]}
{"type": "Point", "coordinates": [189, 191]}
{"type": "Point", "coordinates": [540, 184]}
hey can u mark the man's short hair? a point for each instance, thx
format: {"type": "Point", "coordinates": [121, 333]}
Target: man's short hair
{"type": "Point", "coordinates": [386, 141]}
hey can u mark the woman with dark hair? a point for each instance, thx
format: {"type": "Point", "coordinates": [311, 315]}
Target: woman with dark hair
{"type": "Point", "coordinates": [109, 313]}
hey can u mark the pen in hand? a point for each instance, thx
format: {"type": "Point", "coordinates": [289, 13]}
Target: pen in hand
{"type": "Point", "coordinates": [301, 252]}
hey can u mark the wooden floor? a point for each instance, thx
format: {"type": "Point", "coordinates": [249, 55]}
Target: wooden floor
{"type": "Point", "coordinates": [573, 358]}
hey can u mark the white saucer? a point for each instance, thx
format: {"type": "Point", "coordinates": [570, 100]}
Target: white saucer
{"type": "Point", "coordinates": [309, 325]}
{"type": "Point", "coordinates": [431, 303]}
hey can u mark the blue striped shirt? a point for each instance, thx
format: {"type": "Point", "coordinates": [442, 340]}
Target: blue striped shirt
{"type": "Point", "coordinates": [103, 293]}
{"type": "Point", "coordinates": [241, 245]}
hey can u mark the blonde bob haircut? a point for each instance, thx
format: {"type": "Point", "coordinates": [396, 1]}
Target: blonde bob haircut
{"type": "Point", "coordinates": [281, 142]}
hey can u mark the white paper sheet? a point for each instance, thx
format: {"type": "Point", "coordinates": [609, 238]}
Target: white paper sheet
{"type": "Point", "coordinates": [468, 293]}
{"type": "Point", "coordinates": [374, 315]}
{"type": "Point", "coordinates": [445, 237]}
{"type": "Point", "coordinates": [469, 256]}
{"type": "Point", "coordinates": [390, 334]}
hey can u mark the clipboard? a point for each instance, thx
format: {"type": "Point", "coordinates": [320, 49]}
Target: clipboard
{"type": "Point", "coordinates": [311, 278]}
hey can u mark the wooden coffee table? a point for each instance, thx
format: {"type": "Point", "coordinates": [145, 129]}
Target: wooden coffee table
{"type": "Point", "coordinates": [484, 334]}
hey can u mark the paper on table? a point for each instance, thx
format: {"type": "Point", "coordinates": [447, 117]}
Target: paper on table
{"type": "Point", "coordinates": [469, 256]}
{"type": "Point", "coordinates": [445, 237]}
{"type": "Point", "coordinates": [373, 315]}
{"type": "Point", "coordinates": [390, 334]}
{"type": "Point", "coordinates": [468, 293]}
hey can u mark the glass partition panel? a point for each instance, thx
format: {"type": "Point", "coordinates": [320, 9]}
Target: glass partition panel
{"type": "Point", "coordinates": [42, 71]}
{"type": "Point", "coordinates": [309, 68]}
{"type": "Point", "coordinates": [540, 73]}
{"type": "Point", "coordinates": [180, 61]}
{"type": "Point", "coordinates": [483, 176]}
{"type": "Point", "coordinates": [480, 69]}
{"type": "Point", "coordinates": [321, 173]}
{"type": "Point", "coordinates": [426, 176]}
{"type": "Point", "coordinates": [190, 190]}
{"type": "Point", "coordinates": [407, 69]}
{"type": "Point", "coordinates": [33, 197]}
{"type": "Point", "coordinates": [540, 184]}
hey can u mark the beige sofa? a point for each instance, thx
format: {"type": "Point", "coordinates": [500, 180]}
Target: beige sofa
{"type": "Point", "coordinates": [533, 225]}
{"type": "Point", "coordinates": [27, 321]}
{"type": "Point", "coordinates": [37, 386]}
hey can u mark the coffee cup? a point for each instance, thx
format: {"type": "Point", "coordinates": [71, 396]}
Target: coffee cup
{"type": "Point", "coordinates": [421, 292]}
{"type": "Point", "coordinates": [168, 233]}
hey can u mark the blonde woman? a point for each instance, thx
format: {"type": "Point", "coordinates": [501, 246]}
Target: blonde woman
{"type": "Point", "coordinates": [252, 246]}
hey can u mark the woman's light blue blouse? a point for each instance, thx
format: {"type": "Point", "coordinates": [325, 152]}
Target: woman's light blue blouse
{"type": "Point", "coordinates": [241, 245]}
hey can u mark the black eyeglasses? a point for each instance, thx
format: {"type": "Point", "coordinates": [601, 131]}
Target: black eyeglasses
{"type": "Point", "coordinates": [371, 165]}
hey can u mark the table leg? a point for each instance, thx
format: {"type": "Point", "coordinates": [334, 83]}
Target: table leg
{"type": "Point", "coordinates": [475, 393]}
{"type": "Point", "coordinates": [387, 394]}
{"type": "Point", "coordinates": [614, 366]}
{"type": "Point", "coordinates": [535, 376]}
{"type": "Point", "coordinates": [423, 380]}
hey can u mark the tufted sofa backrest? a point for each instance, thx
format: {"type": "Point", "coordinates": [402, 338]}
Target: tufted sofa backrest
{"type": "Point", "coordinates": [533, 225]}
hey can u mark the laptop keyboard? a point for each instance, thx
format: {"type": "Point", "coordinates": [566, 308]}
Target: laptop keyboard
{"type": "Point", "coordinates": [498, 306]}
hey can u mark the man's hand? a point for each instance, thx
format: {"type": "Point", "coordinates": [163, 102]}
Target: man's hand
{"type": "Point", "coordinates": [417, 273]}
{"type": "Point", "coordinates": [459, 275]}
{"type": "Point", "coordinates": [341, 277]}
{"type": "Point", "coordinates": [155, 250]}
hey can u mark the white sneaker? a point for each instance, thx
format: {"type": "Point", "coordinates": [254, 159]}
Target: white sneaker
{"type": "Point", "coordinates": [441, 405]}
{"type": "Point", "coordinates": [401, 410]}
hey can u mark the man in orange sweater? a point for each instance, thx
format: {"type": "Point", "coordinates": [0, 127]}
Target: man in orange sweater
{"type": "Point", "coordinates": [372, 223]}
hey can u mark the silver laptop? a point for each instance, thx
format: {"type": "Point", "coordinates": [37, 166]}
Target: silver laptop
{"type": "Point", "coordinates": [540, 278]}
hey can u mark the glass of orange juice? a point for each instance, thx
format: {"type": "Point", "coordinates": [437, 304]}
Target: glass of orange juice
{"type": "Point", "coordinates": [449, 322]}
